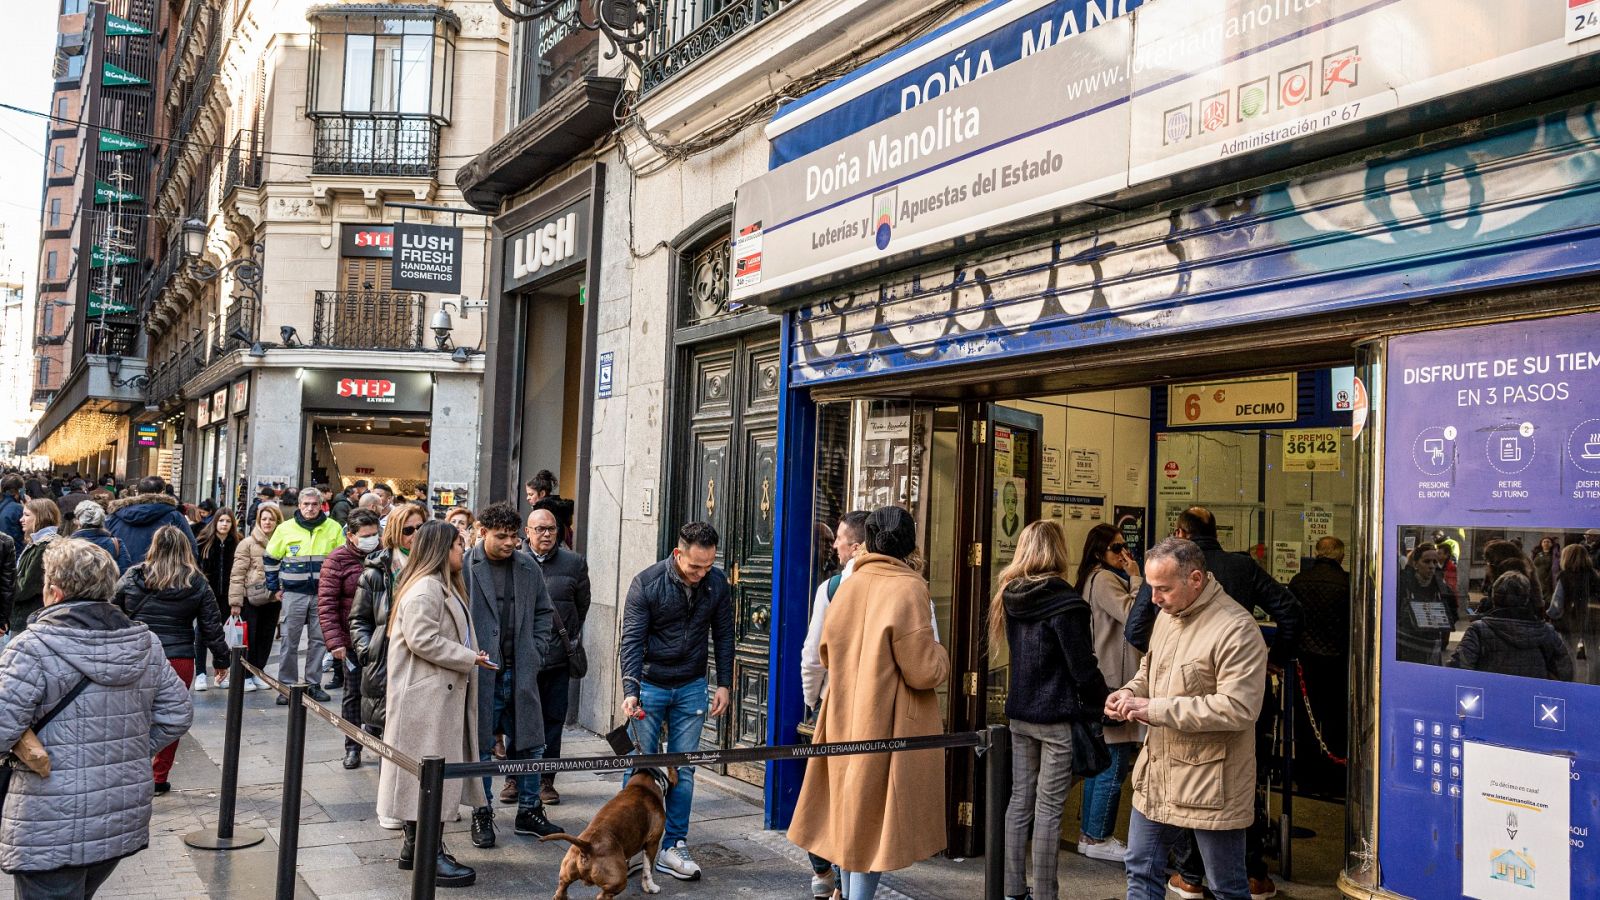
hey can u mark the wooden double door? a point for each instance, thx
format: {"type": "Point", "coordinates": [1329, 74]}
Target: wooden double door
{"type": "Point", "coordinates": [726, 473]}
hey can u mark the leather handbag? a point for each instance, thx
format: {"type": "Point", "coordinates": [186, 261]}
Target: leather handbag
{"type": "Point", "coordinates": [577, 659]}
{"type": "Point", "coordinates": [1090, 755]}
{"type": "Point", "coordinates": [29, 750]}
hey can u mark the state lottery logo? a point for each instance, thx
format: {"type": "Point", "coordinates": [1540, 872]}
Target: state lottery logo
{"type": "Point", "coordinates": [1254, 98]}
{"type": "Point", "coordinates": [1177, 124]}
{"type": "Point", "coordinates": [1341, 69]}
{"type": "Point", "coordinates": [884, 217]}
{"type": "Point", "coordinates": [1294, 85]}
{"type": "Point", "coordinates": [1214, 112]}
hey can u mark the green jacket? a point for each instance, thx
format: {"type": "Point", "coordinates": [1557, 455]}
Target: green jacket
{"type": "Point", "coordinates": [294, 555]}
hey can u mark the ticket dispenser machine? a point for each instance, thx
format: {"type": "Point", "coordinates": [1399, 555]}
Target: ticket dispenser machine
{"type": "Point", "coordinates": [1488, 769]}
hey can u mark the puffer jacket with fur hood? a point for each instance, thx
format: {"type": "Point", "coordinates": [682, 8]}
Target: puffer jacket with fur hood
{"type": "Point", "coordinates": [95, 806]}
{"type": "Point", "coordinates": [134, 521]}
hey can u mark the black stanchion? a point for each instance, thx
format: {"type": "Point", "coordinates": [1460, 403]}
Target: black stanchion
{"type": "Point", "coordinates": [1286, 825]}
{"type": "Point", "coordinates": [430, 832]}
{"type": "Point", "coordinates": [294, 759]}
{"type": "Point", "coordinates": [225, 836]}
{"type": "Point", "coordinates": [997, 784]}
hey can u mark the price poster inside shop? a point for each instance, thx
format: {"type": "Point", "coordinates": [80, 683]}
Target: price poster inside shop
{"type": "Point", "coordinates": [1311, 450]}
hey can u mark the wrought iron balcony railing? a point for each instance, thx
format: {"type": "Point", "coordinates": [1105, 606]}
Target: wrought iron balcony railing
{"type": "Point", "coordinates": [376, 144]}
{"type": "Point", "coordinates": [244, 162]}
{"type": "Point", "coordinates": [368, 320]}
{"type": "Point", "coordinates": [238, 325]}
{"type": "Point", "coordinates": [690, 29]}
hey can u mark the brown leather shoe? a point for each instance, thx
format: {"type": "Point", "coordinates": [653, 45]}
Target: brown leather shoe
{"type": "Point", "coordinates": [508, 794]}
{"type": "Point", "coordinates": [548, 795]}
{"type": "Point", "coordinates": [1262, 889]}
{"type": "Point", "coordinates": [1185, 889]}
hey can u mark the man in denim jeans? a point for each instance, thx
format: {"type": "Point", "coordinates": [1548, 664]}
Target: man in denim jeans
{"type": "Point", "coordinates": [672, 608]}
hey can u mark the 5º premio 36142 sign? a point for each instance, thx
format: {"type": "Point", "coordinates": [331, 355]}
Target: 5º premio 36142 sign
{"type": "Point", "coordinates": [1311, 450]}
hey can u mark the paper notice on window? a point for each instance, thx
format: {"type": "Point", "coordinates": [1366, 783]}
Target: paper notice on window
{"type": "Point", "coordinates": [1516, 811]}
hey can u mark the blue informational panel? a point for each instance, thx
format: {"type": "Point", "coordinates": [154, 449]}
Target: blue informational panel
{"type": "Point", "coordinates": [1492, 435]}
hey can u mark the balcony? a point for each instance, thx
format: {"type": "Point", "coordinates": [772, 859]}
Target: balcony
{"type": "Point", "coordinates": [240, 322]}
{"type": "Point", "coordinates": [376, 145]}
{"type": "Point", "coordinates": [691, 29]}
{"type": "Point", "coordinates": [244, 163]}
{"type": "Point", "coordinates": [368, 320]}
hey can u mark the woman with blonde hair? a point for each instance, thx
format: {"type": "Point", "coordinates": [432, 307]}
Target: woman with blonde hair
{"type": "Point", "coordinates": [433, 688]}
{"type": "Point", "coordinates": [169, 593]}
{"type": "Point", "coordinates": [41, 523]}
{"type": "Point", "coordinates": [1055, 681]}
{"type": "Point", "coordinates": [248, 597]}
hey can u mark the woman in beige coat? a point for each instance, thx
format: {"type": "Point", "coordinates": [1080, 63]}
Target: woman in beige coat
{"type": "Point", "coordinates": [1108, 577]}
{"type": "Point", "coordinates": [876, 813]}
{"type": "Point", "coordinates": [432, 700]}
{"type": "Point", "coordinates": [247, 591]}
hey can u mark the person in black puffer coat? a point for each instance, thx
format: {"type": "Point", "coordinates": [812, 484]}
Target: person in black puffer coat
{"type": "Point", "coordinates": [1055, 681]}
{"type": "Point", "coordinates": [1512, 638]}
{"type": "Point", "coordinates": [168, 593]}
{"type": "Point", "coordinates": [369, 611]}
{"type": "Point", "coordinates": [217, 543]}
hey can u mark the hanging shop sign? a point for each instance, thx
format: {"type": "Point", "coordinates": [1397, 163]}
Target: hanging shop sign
{"type": "Point", "coordinates": [372, 241]}
{"type": "Point", "coordinates": [116, 26]}
{"type": "Point", "coordinates": [996, 35]}
{"type": "Point", "coordinates": [100, 257]}
{"type": "Point", "coordinates": [202, 412]}
{"type": "Point", "coordinates": [1175, 86]}
{"type": "Point", "coordinates": [111, 142]}
{"type": "Point", "coordinates": [219, 404]}
{"type": "Point", "coordinates": [105, 193]}
{"type": "Point", "coordinates": [1311, 450]}
{"type": "Point", "coordinates": [107, 306]}
{"type": "Point", "coordinates": [547, 246]}
{"type": "Point", "coordinates": [113, 76]}
{"type": "Point", "coordinates": [427, 258]}
{"type": "Point", "coordinates": [148, 435]}
{"type": "Point", "coordinates": [241, 395]}
{"type": "Point", "coordinates": [1269, 399]}
{"type": "Point", "coordinates": [363, 390]}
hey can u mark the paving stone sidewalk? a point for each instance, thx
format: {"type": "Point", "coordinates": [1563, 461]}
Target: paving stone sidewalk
{"type": "Point", "coordinates": [345, 855]}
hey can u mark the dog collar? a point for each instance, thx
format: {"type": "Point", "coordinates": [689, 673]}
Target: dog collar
{"type": "Point", "coordinates": [660, 777]}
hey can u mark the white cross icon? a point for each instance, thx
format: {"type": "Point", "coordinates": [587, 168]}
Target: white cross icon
{"type": "Point", "coordinates": [1548, 714]}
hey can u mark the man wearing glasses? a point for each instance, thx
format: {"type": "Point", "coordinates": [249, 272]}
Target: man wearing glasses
{"type": "Point", "coordinates": [566, 577]}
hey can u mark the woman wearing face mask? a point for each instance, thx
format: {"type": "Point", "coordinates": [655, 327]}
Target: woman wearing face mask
{"type": "Point", "coordinates": [218, 544]}
{"type": "Point", "coordinates": [336, 594]}
{"type": "Point", "coordinates": [1427, 609]}
{"type": "Point", "coordinates": [369, 615]}
{"type": "Point", "coordinates": [248, 597]}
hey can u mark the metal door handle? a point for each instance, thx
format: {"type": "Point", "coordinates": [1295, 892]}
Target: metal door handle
{"type": "Point", "coordinates": [762, 617]}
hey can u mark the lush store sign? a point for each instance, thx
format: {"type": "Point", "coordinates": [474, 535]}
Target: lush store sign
{"type": "Point", "coordinates": [1175, 86]}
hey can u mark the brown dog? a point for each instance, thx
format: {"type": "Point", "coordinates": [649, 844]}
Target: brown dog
{"type": "Point", "coordinates": [629, 823]}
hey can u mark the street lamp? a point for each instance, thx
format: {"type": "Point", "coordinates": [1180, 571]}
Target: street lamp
{"type": "Point", "coordinates": [114, 369]}
{"type": "Point", "coordinates": [246, 269]}
{"type": "Point", "coordinates": [628, 23]}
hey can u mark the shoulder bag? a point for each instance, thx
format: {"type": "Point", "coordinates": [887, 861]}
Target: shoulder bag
{"type": "Point", "coordinates": [29, 750]}
{"type": "Point", "coordinates": [577, 659]}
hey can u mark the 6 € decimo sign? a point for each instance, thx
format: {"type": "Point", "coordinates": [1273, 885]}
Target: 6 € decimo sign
{"type": "Point", "coordinates": [1311, 450]}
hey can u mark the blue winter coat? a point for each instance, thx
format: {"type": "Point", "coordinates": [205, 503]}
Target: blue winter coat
{"type": "Point", "coordinates": [106, 541]}
{"type": "Point", "coordinates": [11, 518]}
{"type": "Point", "coordinates": [134, 521]}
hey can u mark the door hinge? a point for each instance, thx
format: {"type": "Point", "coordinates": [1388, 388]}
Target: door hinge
{"type": "Point", "coordinates": [980, 432]}
{"type": "Point", "coordinates": [972, 684]}
{"type": "Point", "coordinates": [975, 554]}
{"type": "Point", "coordinates": [964, 814]}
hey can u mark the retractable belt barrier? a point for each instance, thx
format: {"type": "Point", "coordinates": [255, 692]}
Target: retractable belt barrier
{"type": "Point", "coordinates": [993, 744]}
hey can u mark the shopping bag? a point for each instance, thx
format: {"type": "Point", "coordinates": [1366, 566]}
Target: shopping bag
{"type": "Point", "coordinates": [234, 631]}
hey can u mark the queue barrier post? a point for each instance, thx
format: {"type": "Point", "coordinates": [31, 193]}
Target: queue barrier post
{"type": "Point", "coordinates": [1286, 823]}
{"type": "Point", "coordinates": [225, 836]}
{"type": "Point", "coordinates": [997, 787]}
{"type": "Point", "coordinates": [430, 831]}
{"type": "Point", "coordinates": [294, 758]}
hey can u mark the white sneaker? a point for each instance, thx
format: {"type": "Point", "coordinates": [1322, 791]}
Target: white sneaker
{"type": "Point", "coordinates": [251, 685]}
{"type": "Point", "coordinates": [222, 683]}
{"type": "Point", "coordinates": [200, 682]}
{"type": "Point", "coordinates": [1110, 849]}
{"type": "Point", "coordinates": [390, 824]}
{"type": "Point", "coordinates": [822, 886]}
{"type": "Point", "coordinates": [677, 862]}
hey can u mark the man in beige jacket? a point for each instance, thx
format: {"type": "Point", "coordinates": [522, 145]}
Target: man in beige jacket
{"type": "Point", "coordinates": [1199, 689]}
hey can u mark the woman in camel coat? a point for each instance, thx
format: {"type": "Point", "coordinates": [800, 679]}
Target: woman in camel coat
{"type": "Point", "coordinates": [433, 688]}
{"type": "Point", "coordinates": [876, 813]}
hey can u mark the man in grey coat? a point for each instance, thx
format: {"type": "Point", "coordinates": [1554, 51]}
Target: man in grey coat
{"type": "Point", "coordinates": [62, 836]}
{"type": "Point", "coordinates": [513, 619]}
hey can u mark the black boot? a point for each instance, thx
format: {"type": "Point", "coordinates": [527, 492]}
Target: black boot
{"type": "Point", "coordinates": [483, 828]}
{"type": "Point", "coordinates": [452, 874]}
{"type": "Point", "coordinates": [408, 845]}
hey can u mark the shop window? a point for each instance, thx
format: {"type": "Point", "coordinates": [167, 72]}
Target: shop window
{"type": "Point", "coordinates": [399, 63]}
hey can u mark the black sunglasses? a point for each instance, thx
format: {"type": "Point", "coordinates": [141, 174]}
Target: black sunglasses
{"type": "Point", "coordinates": [1117, 548]}
{"type": "Point", "coordinates": [409, 530]}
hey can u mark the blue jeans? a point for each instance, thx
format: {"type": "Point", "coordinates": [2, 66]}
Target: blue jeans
{"type": "Point", "coordinates": [1148, 845]}
{"type": "Point", "coordinates": [527, 785]}
{"type": "Point", "coordinates": [1102, 794]}
{"type": "Point", "coordinates": [683, 711]}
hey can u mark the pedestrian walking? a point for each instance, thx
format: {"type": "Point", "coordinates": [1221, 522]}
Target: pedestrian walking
{"type": "Point", "coordinates": [248, 596]}
{"type": "Point", "coordinates": [41, 521]}
{"type": "Point", "coordinates": [877, 813]}
{"type": "Point", "coordinates": [1055, 686]}
{"type": "Point", "coordinates": [218, 543]}
{"type": "Point", "coordinates": [461, 518]}
{"type": "Point", "coordinates": [336, 595]}
{"type": "Point", "coordinates": [8, 583]}
{"type": "Point", "coordinates": [566, 578]}
{"type": "Point", "coordinates": [1199, 689]}
{"type": "Point", "coordinates": [74, 493]}
{"type": "Point", "coordinates": [293, 563]}
{"type": "Point", "coordinates": [11, 498]}
{"type": "Point", "coordinates": [512, 617]}
{"type": "Point", "coordinates": [91, 520]}
{"type": "Point", "coordinates": [134, 520]}
{"type": "Point", "coordinates": [111, 700]}
{"type": "Point", "coordinates": [673, 610]}
{"type": "Point", "coordinates": [168, 593]}
{"type": "Point", "coordinates": [433, 694]}
{"type": "Point", "coordinates": [1108, 578]}
{"type": "Point", "coordinates": [1572, 609]}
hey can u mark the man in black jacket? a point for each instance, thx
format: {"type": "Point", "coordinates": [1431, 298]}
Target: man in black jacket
{"type": "Point", "coordinates": [566, 577]}
{"type": "Point", "coordinates": [1250, 585]}
{"type": "Point", "coordinates": [1324, 594]}
{"type": "Point", "coordinates": [672, 608]}
{"type": "Point", "coordinates": [511, 619]}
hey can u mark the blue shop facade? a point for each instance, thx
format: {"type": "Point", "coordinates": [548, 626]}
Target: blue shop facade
{"type": "Point", "coordinates": [1383, 328]}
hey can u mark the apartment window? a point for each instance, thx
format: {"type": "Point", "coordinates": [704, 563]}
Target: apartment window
{"type": "Point", "coordinates": [400, 63]}
{"type": "Point", "coordinates": [74, 66]}
{"type": "Point", "coordinates": [50, 260]}
{"type": "Point", "coordinates": [58, 159]}
{"type": "Point", "coordinates": [72, 7]}
{"type": "Point", "coordinates": [61, 112]}
{"type": "Point", "coordinates": [55, 212]}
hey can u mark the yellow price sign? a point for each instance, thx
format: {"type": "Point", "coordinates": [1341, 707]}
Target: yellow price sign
{"type": "Point", "coordinates": [1312, 450]}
